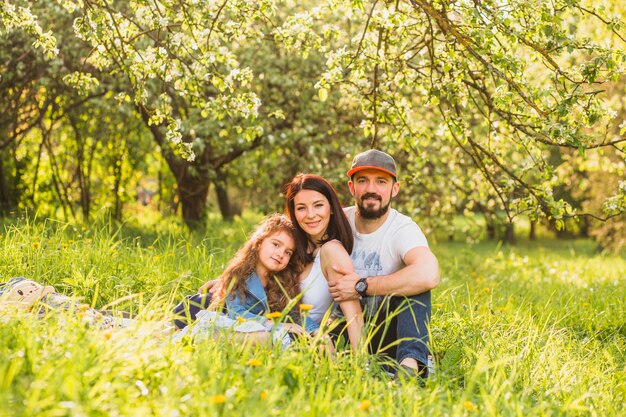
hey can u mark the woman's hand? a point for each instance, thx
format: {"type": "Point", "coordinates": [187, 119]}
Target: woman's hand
{"type": "Point", "coordinates": [324, 343]}
{"type": "Point", "coordinates": [294, 328]}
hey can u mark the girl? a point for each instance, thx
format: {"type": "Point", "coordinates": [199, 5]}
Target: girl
{"type": "Point", "coordinates": [261, 278]}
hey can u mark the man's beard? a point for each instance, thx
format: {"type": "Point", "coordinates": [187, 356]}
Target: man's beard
{"type": "Point", "coordinates": [372, 214]}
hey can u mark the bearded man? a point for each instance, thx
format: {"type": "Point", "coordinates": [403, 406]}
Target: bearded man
{"type": "Point", "coordinates": [395, 270]}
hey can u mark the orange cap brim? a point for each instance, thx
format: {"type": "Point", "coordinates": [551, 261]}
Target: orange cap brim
{"type": "Point", "coordinates": [362, 168]}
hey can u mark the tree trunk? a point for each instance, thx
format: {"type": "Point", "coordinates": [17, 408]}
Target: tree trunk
{"type": "Point", "coordinates": [584, 227]}
{"type": "Point", "coordinates": [491, 227]}
{"type": "Point", "coordinates": [532, 233]}
{"type": "Point", "coordinates": [223, 202]}
{"type": "Point", "coordinates": [193, 191]}
{"type": "Point", "coordinates": [57, 181]}
{"type": "Point", "coordinates": [5, 205]}
{"type": "Point", "coordinates": [228, 210]}
{"type": "Point", "coordinates": [117, 182]}
{"type": "Point", "coordinates": [160, 190]}
{"type": "Point", "coordinates": [193, 180]}
{"type": "Point", "coordinates": [509, 233]}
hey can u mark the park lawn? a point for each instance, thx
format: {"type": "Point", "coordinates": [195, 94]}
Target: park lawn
{"type": "Point", "coordinates": [535, 329]}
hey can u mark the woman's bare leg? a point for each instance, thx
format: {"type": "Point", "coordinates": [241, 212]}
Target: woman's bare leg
{"type": "Point", "coordinates": [334, 254]}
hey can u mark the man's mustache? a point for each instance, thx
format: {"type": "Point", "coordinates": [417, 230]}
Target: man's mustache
{"type": "Point", "coordinates": [371, 195]}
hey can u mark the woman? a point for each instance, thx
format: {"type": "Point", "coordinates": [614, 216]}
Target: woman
{"type": "Point", "coordinates": [323, 240]}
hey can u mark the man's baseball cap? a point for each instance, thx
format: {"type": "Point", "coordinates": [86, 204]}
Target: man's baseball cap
{"type": "Point", "coordinates": [374, 159]}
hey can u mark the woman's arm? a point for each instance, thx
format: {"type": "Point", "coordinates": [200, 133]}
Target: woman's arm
{"type": "Point", "coordinates": [334, 254]}
{"type": "Point", "coordinates": [209, 286]}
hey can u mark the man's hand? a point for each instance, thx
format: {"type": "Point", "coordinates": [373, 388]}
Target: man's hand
{"type": "Point", "coordinates": [209, 286]}
{"type": "Point", "coordinates": [342, 289]}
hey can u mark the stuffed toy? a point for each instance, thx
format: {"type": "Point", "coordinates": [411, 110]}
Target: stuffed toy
{"type": "Point", "coordinates": [26, 295]}
{"type": "Point", "coordinates": [22, 294]}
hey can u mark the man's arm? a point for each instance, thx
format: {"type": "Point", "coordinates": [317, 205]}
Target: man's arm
{"type": "Point", "coordinates": [420, 274]}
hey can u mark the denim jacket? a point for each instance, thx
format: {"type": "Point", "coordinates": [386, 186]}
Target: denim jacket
{"type": "Point", "coordinates": [254, 306]}
{"type": "Point", "coordinates": [251, 307]}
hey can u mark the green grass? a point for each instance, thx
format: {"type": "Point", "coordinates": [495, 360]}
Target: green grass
{"type": "Point", "coordinates": [535, 329]}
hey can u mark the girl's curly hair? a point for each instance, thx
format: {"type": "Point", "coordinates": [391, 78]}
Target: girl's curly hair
{"type": "Point", "coordinates": [282, 286]}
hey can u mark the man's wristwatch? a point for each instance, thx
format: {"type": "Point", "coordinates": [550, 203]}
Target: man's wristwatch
{"type": "Point", "coordinates": [361, 287]}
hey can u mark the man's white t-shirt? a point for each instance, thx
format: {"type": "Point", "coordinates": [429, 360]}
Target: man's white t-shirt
{"type": "Point", "coordinates": [381, 252]}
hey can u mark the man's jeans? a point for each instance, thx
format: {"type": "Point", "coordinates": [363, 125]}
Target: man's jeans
{"type": "Point", "coordinates": [400, 327]}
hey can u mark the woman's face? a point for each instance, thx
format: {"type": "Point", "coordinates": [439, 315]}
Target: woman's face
{"type": "Point", "coordinates": [312, 211]}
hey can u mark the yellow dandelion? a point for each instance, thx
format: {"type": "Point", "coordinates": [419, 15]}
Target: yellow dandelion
{"type": "Point", "coordinates": [157, 257]}
{"type": "Point", "coordinates": [439, 305]}
{"type": "Point", "coordinates": [64, 245]}
{"type": "Point", "coordinates": [150, 247]}
{"type": "Point", "coordinates": [479, 280]}
{"type": "Point", "coordinates": [364, 405]}
{"type": "Point", "coordinates": [35, 245]}
{"type": "Point", "coordinates": [88, 240]}
{"type": "Point", "coordinates": [240, 319]}
{"type": "Point", "coordinates": [217, 399]}
{"type": "Point", "coordinates": [107, 334]}
{"type": "Point", "coordinates": [486, 289]}
{"type": "Point", "coordinates": [306, 307]}
{"type": "Point", "coordinates": [274, 315]}
{"type": "Point", "coordinates": [263, 395]}
{"type": "Point", "coordinates": [470, 406]}
{"type": "Point", "coordinates": [254, 362]}
{"type": "Point", "coordinates": [83, 307]}
{"type": "Point", "coordinates": [70, 241]}
{"type": "Point", "coordinates": [502, 309]}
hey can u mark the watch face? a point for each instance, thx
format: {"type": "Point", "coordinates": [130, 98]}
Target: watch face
{"type": "Point", "coordinates": [360, 286]}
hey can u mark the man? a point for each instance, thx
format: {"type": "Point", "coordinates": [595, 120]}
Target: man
{"type": "Point", "coordinates": [394, 268]}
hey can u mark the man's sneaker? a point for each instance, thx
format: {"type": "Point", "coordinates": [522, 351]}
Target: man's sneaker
{"type": "Point", "coordinates": [406, 373]}
{"type": "Point", "coordinates": [430, 366]}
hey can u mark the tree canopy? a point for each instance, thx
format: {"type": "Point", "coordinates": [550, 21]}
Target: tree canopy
{"type": "Point", "coordinates": [497, 107]}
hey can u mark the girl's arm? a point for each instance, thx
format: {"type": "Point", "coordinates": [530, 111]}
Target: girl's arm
{"type": "Point", "coordinates": [334, 254]}
{"type": "Point", "coordinates": [237, 307]}
{"type": "Point", "coordinates": [310, 325]}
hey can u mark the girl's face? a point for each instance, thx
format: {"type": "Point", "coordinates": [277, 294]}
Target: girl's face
{"type": "Point", "coordinates": [275, 252]}
{"type": "Point", "coordinates": [312, 211]}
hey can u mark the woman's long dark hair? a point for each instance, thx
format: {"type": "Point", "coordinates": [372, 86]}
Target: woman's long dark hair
{"type": "Point", "coordinates": [338, 227]}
